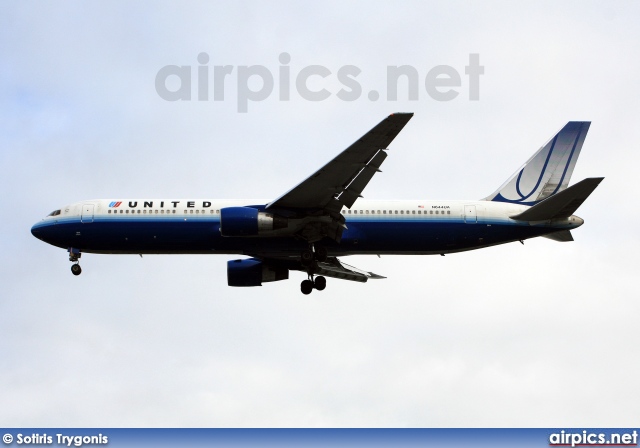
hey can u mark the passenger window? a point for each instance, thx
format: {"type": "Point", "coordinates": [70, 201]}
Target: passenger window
{"type": "Point", "coordinates": [402, 212]}
{"type": "Point", "coordinates": [431, 212]}
{"type": "Point", "coordinates": [448, 212]}
{"type": "Point", "coordinates": [413, 212]}
{"type": "Point", "coordinates": [396, 212]}
{"type": "Point", "coordinates": [197, 211]}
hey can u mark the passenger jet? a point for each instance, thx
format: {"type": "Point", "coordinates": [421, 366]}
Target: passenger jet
{"type": "Point", "coordinates": [325, 217]}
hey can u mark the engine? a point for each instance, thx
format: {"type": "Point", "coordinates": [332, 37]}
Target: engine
{"type": "Point", "coordinates": [253, 272]}
{"type": "Point", "coordinates": [249, 221]}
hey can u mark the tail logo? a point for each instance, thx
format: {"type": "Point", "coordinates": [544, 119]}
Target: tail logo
{"type": "Point", "coordinates": [548, 171]}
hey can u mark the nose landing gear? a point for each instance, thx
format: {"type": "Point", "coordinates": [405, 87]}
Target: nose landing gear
{"type": "Point", "coordinates": [74, 255]}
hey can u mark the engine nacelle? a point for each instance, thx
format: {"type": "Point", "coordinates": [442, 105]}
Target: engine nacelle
{"type": "Point", "coordinates": [249, 221]}
{"type": "Point", "coordinates": [253, 272]}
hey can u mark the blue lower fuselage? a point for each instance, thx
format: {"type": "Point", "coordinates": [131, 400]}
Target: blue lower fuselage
{"type": "Point", "coordinates": [201, 235]}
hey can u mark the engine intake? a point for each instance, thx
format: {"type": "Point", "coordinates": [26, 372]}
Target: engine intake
{"type": "Point", "coordinates": [253, 272]}
{"type": "Point", "coordinates": [249, 221]}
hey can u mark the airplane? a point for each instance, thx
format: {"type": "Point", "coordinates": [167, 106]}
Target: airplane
{"type": "Point", "coordinates": [325, 217]}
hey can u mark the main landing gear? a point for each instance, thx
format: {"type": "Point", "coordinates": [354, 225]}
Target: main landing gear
{"type": "Point", "coordinates": [314, 253]}
{"type": "Point", "coordinates": [308, 258]}
{"type": "Point", "coordinates": [74, 255]}
{"type": "Point", "coordinates": [309, 285]}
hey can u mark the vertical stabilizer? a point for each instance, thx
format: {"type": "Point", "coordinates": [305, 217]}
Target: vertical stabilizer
{"type": "Point", "coordinates": [548, 171]}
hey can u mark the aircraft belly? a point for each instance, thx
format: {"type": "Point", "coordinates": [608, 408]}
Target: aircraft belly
{"type": "Point", "coordinates": [430, 237]}
{"type": "Point", "coordinates": [203, 236]}
{"type": "Point", "coordinates": [137, 236]}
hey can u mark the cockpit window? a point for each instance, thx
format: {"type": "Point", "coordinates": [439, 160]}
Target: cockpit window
{"type": "Point", "coordinates": [54, 213]}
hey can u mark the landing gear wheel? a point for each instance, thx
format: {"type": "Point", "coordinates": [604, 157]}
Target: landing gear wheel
{"type": "Point", "coordinates": [306, 287]}
{"type": "Point", "coordinates": [306, 257]}
{"type": "Point", "coordinates": [76, 269]}
{"type": "Point", "coordinates": [321, 254]}
{"type": "Point", "coordinates": [320, 283]}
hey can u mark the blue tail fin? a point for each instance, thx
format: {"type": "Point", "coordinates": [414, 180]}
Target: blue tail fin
{"type": "Point", "coordinates": [548, 171]}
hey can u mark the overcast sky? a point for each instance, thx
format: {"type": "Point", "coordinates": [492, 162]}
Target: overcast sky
{"type": "Point", "coordinates": [544, 334]}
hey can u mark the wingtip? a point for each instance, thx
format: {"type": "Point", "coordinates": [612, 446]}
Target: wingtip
{"type": "Point", "coordinates": [592, 180]}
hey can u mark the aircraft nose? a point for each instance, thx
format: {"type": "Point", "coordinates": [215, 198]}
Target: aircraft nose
{"type": "Point", "coordinates": [37, 231]}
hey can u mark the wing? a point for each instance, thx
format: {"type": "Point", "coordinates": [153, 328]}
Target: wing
{"type": "Point", "coordinates": [341, 181]}
{"type": "Point", "coordinates": [562, 236]}
{"type": "Point", "coordinates": [336, 269]}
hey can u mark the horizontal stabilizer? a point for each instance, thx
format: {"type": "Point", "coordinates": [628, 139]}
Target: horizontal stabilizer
{"type": "Point", "coordinates": [562, 236]}
{"type": "Point", "coordinates": [562, 204]}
